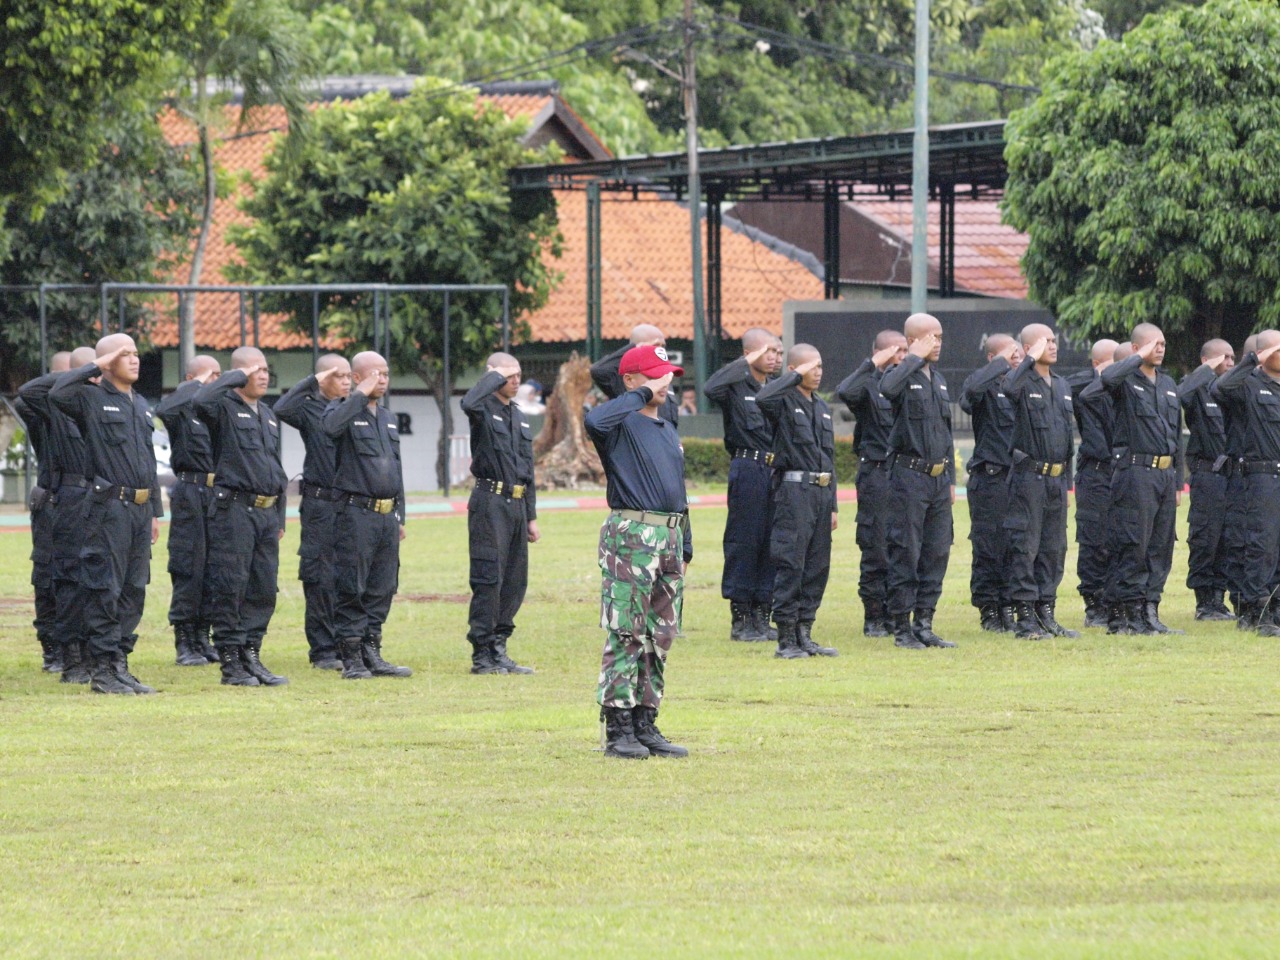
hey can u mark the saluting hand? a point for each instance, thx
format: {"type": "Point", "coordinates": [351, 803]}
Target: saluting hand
{"type": "Point", "coordinates": [507, 372]}
{"type": "Point", "coordinates": [1104, 364]}
{"type": "Point", "coordinates": [808, 365]}
{"type": "Point", "coordinates": [1264, 354]}
{"type": "Point", "coordinates": [656, 385]}
{"type": "Point", "coordinates": [203, 376]}
{"type": "Point", "coordinates": [881, 358]}
{"type": "Point", "coordinates": [368, 384]}
{"type": "Point", "coordinates": [1037, 349]}
{"type": "Point", "coordinates": [1146, 349]}
{"type": "Point", "coordinates": [756, 354]}
{"type": "Point", "coordinates": [923, 347]}
{"type": "Point", "coordinates": [1214, 362]}
{"type": "Point", "coordinates": [105, 361]}
{"type": "Point", "coordinates": [326, 373]}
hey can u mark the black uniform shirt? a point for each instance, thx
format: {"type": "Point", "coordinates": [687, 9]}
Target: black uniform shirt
{"type": "Point", "coordinates": [303, 408]}
{"type": "Point", "coordinates": [190, 443]}
{"type": "Point", "coordinates": [1042, 427]}
{"type": "Point", "coordinates": [983, 398]}
{"type": "Point", "coordinates": [1254, 399]}
{"type": "Point", "coordinates": [1148, 418]}
{"type": "Point", "coordinates": [64, 445]}
{"type": "Point", "coordinates": [116, 427]}
{"type": "Point", "coordinates": [246, 442]}
{"type": "Point", "coordinates": [872, 413]}
{"type": "Point", "coordinates": [642, 458]}
{"type": "Point", "coordinates": [1092, 408]}
{"type": "Point", "coordinates": [501, 438]}
{"type": "Point", "coordinates": [733, 388]}
{"type": "Point", "coordinates": [37, 437]}
{"type": "Point", "coordinates": [605, 375]}
{"type": "Point", "coordinates": [1205, 420]}
{"type": "Point", "coordinates": [368, 449]}
{"type": "Point", "coordinates": [921, 413]}
{"type": "Point", "coordinates": [803, 431]}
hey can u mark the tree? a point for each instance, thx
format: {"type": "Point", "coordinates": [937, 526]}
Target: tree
{"type": "Point", "coordinates": [410, 191]}
{"type": "Point", "coordinates": [119, 219]}
{"type": "Point", "coordinates": [1147, 176]}
{"type": "Point", "coordinates": [64, 69]}
{"type": "Point", "coordinates": [259, 47]}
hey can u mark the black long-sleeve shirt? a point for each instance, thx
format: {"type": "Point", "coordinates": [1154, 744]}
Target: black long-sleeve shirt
{"type": "Point", "coordinates": [1042, 425]}
{"type": "Point", "coordinates": [38, 437]}
{"type": "Point", "coordinates": [1204, 416]}
{"type": "Point", "coordinates": [803, 431]}
{"type": "Point", "coordinates": [64, 444]}
{"type": "Point", "coordinates": [1092, 408]}
{"type": "Point", "coordinates": [1148, 417]}
{"type": "Point", "coordinates": [1254, 399]}
{"type": "Point", "coordinates": [642, 458]}
{"type": "Point", "coordinates": [605, 375]}
{"type": "Point", "coordinates": [303, 408]}
{"type": "Point", "coordinates": [983, 397]}
{"type": "Point", "coordinates": [872, 413]}
{"type": "Point", "coordinates": [921, 413]}
{"type": "Point", "coordinates": [190, 443]}
{"type": "Point", "coordinates": [501, 438]}
{"type": "Point", "coordinates": [116, 427]}
{"type": "Point", "coordinates": [367, 445]}
{"type": "Point", "coordinates": [733, 388]}
{"type": "Point", "coordinates": [246, 442]}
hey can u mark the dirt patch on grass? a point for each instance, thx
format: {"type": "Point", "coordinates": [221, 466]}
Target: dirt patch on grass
{"type": "Point", "coordinates": [434, 597]}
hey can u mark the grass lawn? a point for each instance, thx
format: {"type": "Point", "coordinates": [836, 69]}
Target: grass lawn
{"type": "Point", "coordinates": [1108, 796]}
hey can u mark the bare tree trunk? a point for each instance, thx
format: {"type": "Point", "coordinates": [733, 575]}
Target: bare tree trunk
{"type": "Point", "coordinates": [563, 454]}
{"type": "Point", "coordinates": [187, 313]}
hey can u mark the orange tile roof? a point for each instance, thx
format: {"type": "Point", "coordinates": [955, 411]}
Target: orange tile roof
{"type": "Point", "coordinates": [645, 256]}
{"type": "Point", "coordinates": [988, 252]}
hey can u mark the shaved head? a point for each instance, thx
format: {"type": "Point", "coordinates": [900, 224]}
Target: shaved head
{"type": "Point", "coordinates": [245, 357]}
{"type": "Point", "coordinates": [920, 324]}
{"type": "Point", "coordinates": [200, 364]}
{"type": "Point", "coordinates": [61, 362]}
{"type": "Point", "coordinates": [1144, 332]}
{"type": "Point", "coordinates": [888, 338]}
{"type": "Point", "coordinates": [112, 342]}
{"type": "Point", "coordinates": [1033, 332]}
{"type": "Point", "coordinates": [1251, 342]}
{"type": "Point", "coordinates": [647, 333]}
{"type": "Point", "coordinates": [1267, 338]}
{"type": "Point", "coordinates": [330, 360]}
{"type": "Point", "coordinates": [365, 361]}
{"type": "Point", "coordinates": [1103, 350]}
{"type": "Point", "coordinates": [1123, 352]}
{"type": "Point", "coordinates": [1217, 348]}
{"type": "Point", "coordinates": [801, 353]}
{"type": "Point", "coordinates": [500, 359]}
{"type": "Point", "coordinates": [993, 343]}
{"type": "Point", "coordinates": [755, 338]}
{"type": "Point", "coordinates": [82, 355]}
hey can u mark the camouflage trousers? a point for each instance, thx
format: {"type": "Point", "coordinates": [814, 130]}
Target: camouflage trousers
{"type": "Point", "coordinates": [641, 597]}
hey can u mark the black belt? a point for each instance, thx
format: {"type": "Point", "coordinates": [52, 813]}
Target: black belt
{"type": "Point", "coordinates": [761, 456]}
{"type": "Point", "coordinates": [1260, 466]}
{"type": "Point", "coordinates": [1152, 461]}
{"type": "Point", "coordinates": [73, 482]}
{"type": "Point", "coordinates": [808, 476]}
{"type": "Point", "coordinates": [317, 492]}
{"type": "Point", "coordinates": [262, 501]}
{"type": "Point", "coordinates": [1042, 468]}
{"type": "Point", "coordinates": [874, 464]}
{"type": "Point", "coordinates": [1225, 466]}
{"type": "Point", "coordinates": [934, 468]}
{"type": "Point", "coordinates": [199, 479]}
{"type": "Point", "coordinates": [383, 506]}
{"type": "Point", "coordinates": [512, 491]}
{"type": "Point", "coordinates": [1091, 463]}
{"type": "Point", "coordinates": [135, 495]}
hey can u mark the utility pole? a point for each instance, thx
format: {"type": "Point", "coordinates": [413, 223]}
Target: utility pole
{"type": "Point", "coordinates": [920, 167]}
{"type": "Point", "coordinates": [695, 205]}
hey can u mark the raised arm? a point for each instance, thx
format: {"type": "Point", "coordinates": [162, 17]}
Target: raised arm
{"type": "Point", "coordinates": [894, 382]}
{"type": "Point", "coordinates": [604, 374]}
{"type": "Point", "coordinates": [606, 417]}
{"type": "Point", "coordinates": [179, 403]}
{"type": "Point", "coordinates": [721, 383]}
{"type": "Point", "coordinates": [290, 407]}
{"type": "Point", "coordinates": [484, 388]}
{"type": "Point", "coordinates": [339, 414]}
{"type": "Point", "coordinates": [70, 387]}
{"type": "Point", "coordinates": [856, 387]}
{"type": "Point", "coordinates": [772, 396]}
{"type": "Point", "coordinates": [211, 394]}
{"type": "Point", "coordinates": [1112, 378]}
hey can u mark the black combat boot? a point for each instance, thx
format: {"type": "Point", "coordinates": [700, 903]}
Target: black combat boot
{"type": "Point", "coordinates": [121, 660]}
{"type": "Point", "coordinates": [353, 666]}
{"type": "Point", "coordinates": [761, 612]}
{"type": "Point", "coordinates": [326, 659]}
{"type": "Point", "coordinates": [76, 662]}
{"type": "Point", "coordinates": [371, 650]}
{"type": "Point", "coordinates": [1095, 611]}
{"type": "Point", "coordinates": [903, 635]}
{"type": "Point", "coordinates": [804, 637]}
{"type": "Point", "coordinates": [105, 677]}
{"type": "Point", "coordinates": [875, 622]}
{"type": "Point", "coordinates": [989, 618]}
{"type": "Point", "coordinates": [1151, 616]}
{"type": "Point", "coordinates": [789, 641]}
{"type": "Point", "coordinates": [1209, 605]}
{"type": "Point", "coordinates": [620, 735]}
{"type": "Point", "coordinates": [1269, 621]}
{"type": "Point", "coordinates": [1027, 626]}
{"type": "Point", "coordinates": [234, 673]}
{"type": "Point", "coordinates": [203, 643]}
{"type": "Point", "coordinates": [742, 624]}
{"type": "Point", "coordinates": [1008, 617]}
{"type": "Point", "coordinates": [184, 643]}
{"type": "Point", "coordinates": [642, 720]}
{"type": "Point", "coordinates": [1247, 615]}
{"type": "Point", "coordinates": [484, 659]}
{"type": "Point", "coordinates": [251, 656]}
{"type": "Point", "coordinates": [505, 661]}
{"type": "Point", "coordinates": [1045, 614]}
{"type": "Point", "coordinates": [1118, 619]}
{"type": "Point", "coordinates": [52, 661]}
{"type": "Point", "coordinates": [923, 629]}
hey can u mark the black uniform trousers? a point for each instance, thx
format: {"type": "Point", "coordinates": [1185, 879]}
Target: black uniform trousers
{"type": "Point", "coordinates": [315, 570]}
{"type": "Point", "coordinates": [920, 535]}
{"type": "Point", "coordinates": [1036, 524]}
{"type": "Point", "coordinates": [988, 496]}
{"type": "Point", "coordinates": [1233, 535]}
{"type": "Point", "coordinates": [1093, 511]}
{"type": "Point", "coordinates": [1207, 516]}
{"type": "Point", "coordinates": [1143, 512]}
{"type": "Point", "coordinates": [188, 551]}
{"type": "Point", "coordinates": [68, 537]}
{"type": "Point", "coordinates": [1261, 568]}
{"type": "Point", "coordinates": [872, 530]}
{"type": "Point", "coordinates": [498, 537]}
{"type": "Point", "coordinates": [748, 571]}
{"type": "Point", "coordinates": [42, 575]}
{"type": "Point", "coordinates": [243, 564]}
{"type": "Point", "coordinates": [366, 572]}
{"type": "Point", "coordinates": [800, 547]}
{"type": "Point", "coordinates": [115, 568]}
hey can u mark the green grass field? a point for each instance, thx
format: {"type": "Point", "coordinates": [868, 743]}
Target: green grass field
{"type": "Point", "coordinates": [1108, 796]}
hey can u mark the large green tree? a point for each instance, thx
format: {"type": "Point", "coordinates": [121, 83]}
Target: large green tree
{"type": "Point", "coordinates": [1147, 177]}
{"type": "Point", "coordinates": [410, 191]}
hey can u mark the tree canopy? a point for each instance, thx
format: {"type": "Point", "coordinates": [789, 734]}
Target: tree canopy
{"type": "Point", "coordinates": [1147, 177]}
